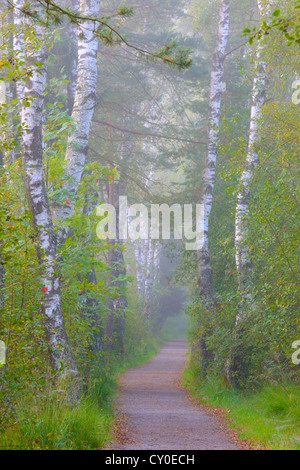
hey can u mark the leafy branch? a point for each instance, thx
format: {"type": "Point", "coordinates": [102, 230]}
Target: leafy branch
{"type": "Point", "coordinates": [170, 54]}
{"type": "Point", "coordinates": [290, 27]}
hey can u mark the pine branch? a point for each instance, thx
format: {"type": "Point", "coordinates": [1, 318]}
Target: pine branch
{"type": "Point", "coordinates": [169, 54]}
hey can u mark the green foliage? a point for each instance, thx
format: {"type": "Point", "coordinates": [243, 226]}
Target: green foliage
{"type": "Point", "coordinates": [263, 344]}
{"type": "Point", "coordinates": [267, 418]}
{"type": "Point", "coordinates": [51, 423]}
{"type": "Point", "coordinates": [285, 20]}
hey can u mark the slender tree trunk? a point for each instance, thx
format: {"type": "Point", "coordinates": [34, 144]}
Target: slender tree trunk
{"type": "Point", "coordinates": [118, 301]}
{"type": "Point", "coordinates": [118, 304]}
{"type": "Point", "coordinates": [216, 91]}
{"type": "Point", "coordinates": [156, 277]}
{"type": "Point", "coordinates": [83, 110]}
{"type": "Point", "coordinates": [206, 286]}
{"type": "Point", "coordinates": [243, 262]}
{"type": "Point", "coordinates": [91, 304]}
{"type": "Point", "coordinates": [93, 308]}
{"type": "Point", "coordinates": [149, 280]}
{"type": "Point", "coordinates": [236, 368]}
{"type": "Point", "coordinates": [72, 60]}
{"type": "Point", "coordinates": [138, 262]}
{"type": "Point", "coordinates": [19, 42]}
{"type": "Point", "coordinates": [32, 157]}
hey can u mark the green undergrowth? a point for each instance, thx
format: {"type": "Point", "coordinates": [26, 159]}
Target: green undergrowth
{"type": "Point", "coordinates": [268, 418]}
{"type": "Point", "coordinates": [46, 420]}
{"type": "Point", "coordinates": [49, 422]}
{"type": "Point", "coordinates": [52, 423]}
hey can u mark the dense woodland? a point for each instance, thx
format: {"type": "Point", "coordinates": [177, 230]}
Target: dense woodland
{"type": "Point", "coordinates": [164, 102]}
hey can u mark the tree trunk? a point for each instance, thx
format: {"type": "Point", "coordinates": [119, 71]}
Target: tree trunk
{"type": "Point", "coordinates": [206, 286]}
{"type": "Point", "coordinates": [83, 110]}
{"type": "Point", "coordinates": [236, 367]}
{"type": "Point", "coordinates": [149, 280]}
{"type": "Point", "coordinates": [216, 91]}
{"type": "Point", "coordinates": [92, 305]}
{"type": "Point", "coordinates": [139, 263]}
{"type": "Point", "coordinates": [32, 157]}
{"type": "Point", "coordinates": [19, 43]}
{"type": "Point", "coordinates": [72, 59]}
{"type": "Point", "coordinates": [243, 262]}
{"type": "Point", "coordinates": [118, 301]}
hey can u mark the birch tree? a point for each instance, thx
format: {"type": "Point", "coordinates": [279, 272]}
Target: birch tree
{"type": "Point", "coordinates": [19, 42]}
{"type": "Point", "coordinates": [235, 367]}
{"type": "Point", "coordinates": [149, 280]}
{"type": "Point", "coordinates": [242, 257]}
{"type": "Point", "coordinates": [32, 158]}
{"type": "Point", "coordinates": [73, 57]}
{"type": "Point", "coordinates": [118, 302]}
{"type": "Point", "coordinates": [215, 98]}
{"type": "Point", "coordinates": [83, 110]}
{"type": "Point", "coordinates": [90, 303]}
{"type": "Point", "coordinates": [76, 155]}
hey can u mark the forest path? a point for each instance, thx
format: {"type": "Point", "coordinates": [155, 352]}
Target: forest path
{"type": "Point", "coordinates": [156, 412]}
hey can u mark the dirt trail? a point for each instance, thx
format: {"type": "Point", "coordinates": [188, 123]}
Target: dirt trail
{"type": "Point", "coordinates": [157, 412]}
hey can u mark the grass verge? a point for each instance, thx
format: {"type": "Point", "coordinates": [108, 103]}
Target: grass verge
{"type": "Point", "coordinates": [269, 417]}
{"type": "Point", "coordinates": [49, 422]}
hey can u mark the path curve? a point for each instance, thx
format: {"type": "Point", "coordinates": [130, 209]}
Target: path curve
{"type": "Point", "coordinates": [157, 412]}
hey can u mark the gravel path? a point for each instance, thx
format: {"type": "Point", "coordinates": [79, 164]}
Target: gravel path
{"type": "Point", "coordinates": [156, 412]}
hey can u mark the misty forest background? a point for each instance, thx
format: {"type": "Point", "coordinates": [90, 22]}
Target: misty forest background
{"type": "Point", "coordinates": [175, 102]}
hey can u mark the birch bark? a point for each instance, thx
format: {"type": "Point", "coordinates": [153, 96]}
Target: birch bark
{"type": "Point", "coordinates": [149, 280]}
{"type": "Point", "coordinates": [19, 42]}
{"type": "Point", "coordinates": [118, 303]}
{"type": "Point", "coordinates": [32, 157]}
{"type": "Point", "coordinates": [216, 91]}
{"type": "Point", "coordinates": [83, 110]}
{"type": "Point", "coordinates": [236, 364]}
{"type": "Point", "coordinates": [91, 304]}
{"type": "Point", "coordinates": [243, 262]}
{"type": "Point", "coordinates": [156, 276]}
{"type": "Point", "coordinates": [73, 56]}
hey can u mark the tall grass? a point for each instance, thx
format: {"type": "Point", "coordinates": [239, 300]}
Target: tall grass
{"type": "Point", "coordinates": [269, 417]}
{"type": "Point", "coordinates": [50, 422]}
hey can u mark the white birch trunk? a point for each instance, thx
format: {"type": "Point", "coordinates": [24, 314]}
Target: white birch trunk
{"type": "Point", "coordinates": [234, 364]}
{"type": "Point", "coordinates": [83, 110]}
{"type": "Point", "coordinates": [156, 276]}
{"type": "Point", "coordinates": [149, 279]}
{"type": "Point", "coordinates": [216, 91]}
{"type": "Point", "coordinates": [90, 302]}
{"type": "Point", "coordinates": [138, 260]}
{"type": "Point", "coordinates": [243, 262]}
{"type": "Point", "coordinates": [73, 55]}
{"type": "Point", "coordinates": [32, 157]}
{"type": "Point", "coordinates": [19, 42]}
